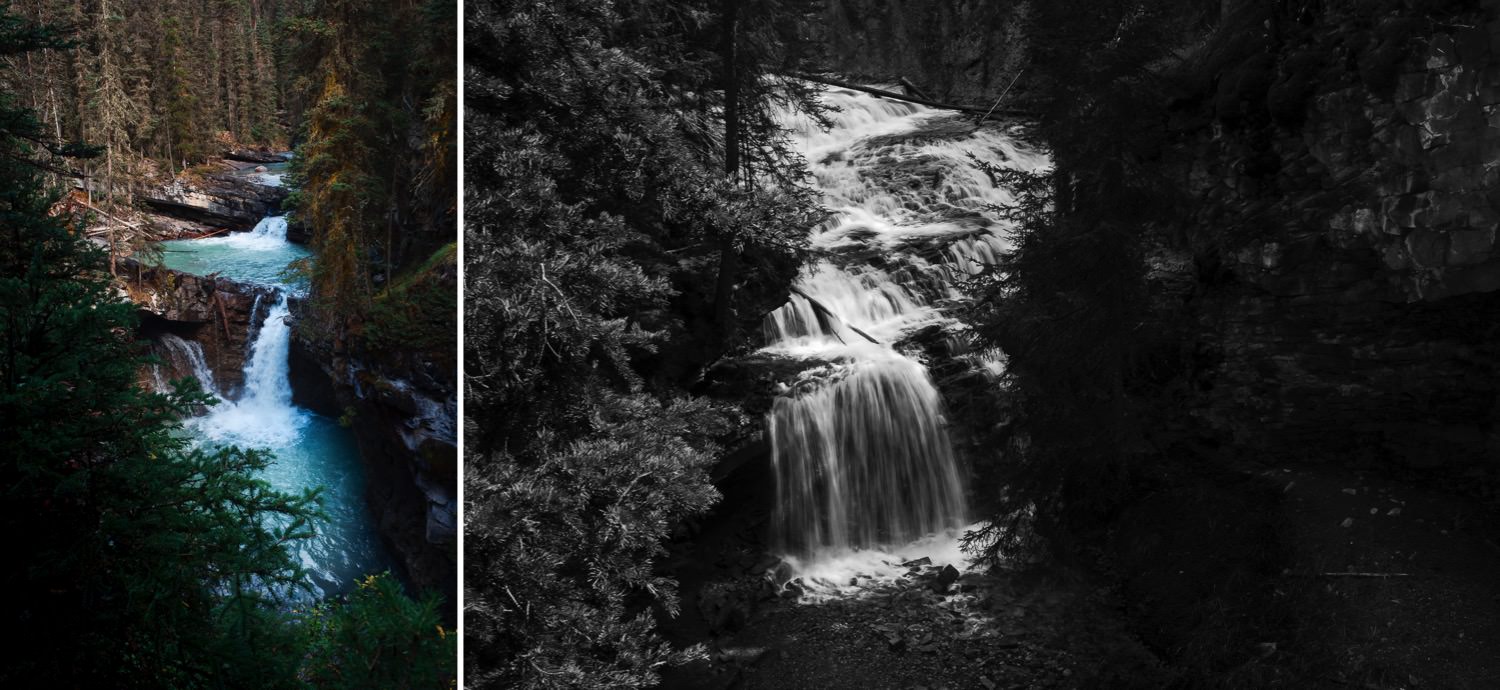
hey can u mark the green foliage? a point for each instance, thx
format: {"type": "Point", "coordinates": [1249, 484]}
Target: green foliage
{"type": "Point", "coordinates": [145, 558]}
{"type": "Point", "coordinates": [600, 207]}
{"type": "Point", "coordinates": [375, 175]}
{"type": "Point", "coordinates": [1070, 306]}
{"type": "Point", "coordinates": [142, 560]}
{"type": "Point", "coordinates": [164, 80]}
{"type": "Point", "coordinates": [379, 638]}
{"type": "Point", "coordinates": [417, 312]}
{"type": "Point", "coordinates": [559, 551]}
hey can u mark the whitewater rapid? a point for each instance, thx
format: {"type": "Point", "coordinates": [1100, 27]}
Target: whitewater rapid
{"type": "Point", "coordinates": [310, 451]}
{"type": "Point", "coordinates": [866, 476]}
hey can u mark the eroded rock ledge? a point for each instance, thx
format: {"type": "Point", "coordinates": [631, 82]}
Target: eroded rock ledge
{"type": "Point", "coordinates": [217, 199]}
{"type": "Point", "coordinates": [403, 410]}
{"type": "Point", "coordinates": [217, 312]}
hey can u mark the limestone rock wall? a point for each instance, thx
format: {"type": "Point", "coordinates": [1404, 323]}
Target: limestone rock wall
{"type": "Point", "coordinates": [219, 199]}
{"type": "Point", "coordinates": [403, 410]}
{"type": "Point", "coordinates": [217, 312]}
{"type": "Point", "coordinates": [1340, 255]}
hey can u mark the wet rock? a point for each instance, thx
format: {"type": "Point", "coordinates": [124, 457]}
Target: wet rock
{"type": "Point", "coordinates": [945, 579]}
{"type": "Point", "coordinates": [262, 155]}
{"type": "Point", "coordinates": [766, 562]}
{"type": "Point", "coordinates": [917, 562]}
{"type": "Point", "coordinates": [219, 200]}
{"type": "Point", "coordinates": [217, 313]}
{"type": "Point", "coordinates": [402, 407]}
{"type": "Point", "coordinates": [782, 573]}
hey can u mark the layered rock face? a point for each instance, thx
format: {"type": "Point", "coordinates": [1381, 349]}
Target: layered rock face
{"type": "Point", "coordinates": [403, 409]}
{"type": "Point", "coordinates": [218, 200]}
{"type": "Point", "coordinates": [1350, 313]}
{"type": "Point", "coordinates": [216, 312]}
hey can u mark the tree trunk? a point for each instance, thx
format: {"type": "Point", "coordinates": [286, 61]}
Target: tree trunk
{"type": "Point", "coordinates": [728, 257]}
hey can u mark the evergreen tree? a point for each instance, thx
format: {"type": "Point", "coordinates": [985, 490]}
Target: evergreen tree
{"type": "Point", "coordinates": [142, 560]}
{"type": "Point", "coordinates": [377, 170]}
{"type": "Point", "coordinates": [146, 561]}
{"type": "Point", "coordinates": [604, 204]}
{"type": "Point", "coordinates": [1070, 307]}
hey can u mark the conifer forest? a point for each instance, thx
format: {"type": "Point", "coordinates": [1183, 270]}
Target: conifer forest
{"type": "Point", "coordinates": [949, 344]}
{"type": "Point", "coordinates": [228, 332]}
{"type": "Point", "coordinates": [750, 344]}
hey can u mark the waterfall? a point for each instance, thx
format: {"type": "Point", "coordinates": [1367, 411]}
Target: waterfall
{"type": "Point", "coordinates": [264, 415]}
{"type": "Point", "coordinates": [268, 234]}
{"type": "Point", "coordinates": [860, 448]}
{"type": "Point", "coordinates": [185, 356]}
{"type": "Point", "coordinates": [865, 460]}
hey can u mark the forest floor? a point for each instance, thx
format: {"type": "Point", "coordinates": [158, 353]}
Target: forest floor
{"type": "Point", "coordinates": [1409, 577]}
{"type": "Point", "coordinates": [992, 634]}
{"type": "Point", "coordinates": [982, 631]}
{"type": "Point", "coordinates": [1383, 584]}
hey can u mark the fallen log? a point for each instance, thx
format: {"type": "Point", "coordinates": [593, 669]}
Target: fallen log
{"type": "Point", "coordinates": [912, 89]}
{"type": "Point", "coordinates": [984, 113]}
{"type": "Point", "coordinates": [253, 156]}
{"type": "Point", "coordinates": [832, 316]}
{"type": "Point", "coordinates": [101, 212]}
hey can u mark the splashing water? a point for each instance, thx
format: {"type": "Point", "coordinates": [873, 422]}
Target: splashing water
{"type": "Point", "coordinates": [182, 357]}
{"type": "Point", "coordinates": [264, 415]}
{"type": "Point", "coordinates": [258, 256]}
{"type": "Point", "coordinates": [865, 471]}
{"type": "Point", "coordinates": [310, 450]}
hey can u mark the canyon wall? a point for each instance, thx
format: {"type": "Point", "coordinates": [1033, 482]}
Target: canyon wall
{"type": "Point", "coordinates": [402, 407]}
{"type": "Point", "coordinates": [1334, 253]}
{"type": "Point", "coordinates": [1339, 250]}
{"type": "Point", "coordinates": [963, 51]}
{"type": "Point", "coordinates": [217, 313]}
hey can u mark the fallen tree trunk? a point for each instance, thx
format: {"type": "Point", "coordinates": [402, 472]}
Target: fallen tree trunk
{"type": "Point", "coordinates": [828, 313]}
{"type": "Point", "coordinates": [983, 113]}
{"type": "Point", "coordinates": [912, 89]}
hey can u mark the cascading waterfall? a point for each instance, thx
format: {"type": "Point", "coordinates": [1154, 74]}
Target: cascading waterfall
{"type": "Point", "coordinates": [860, 449]}
{"type": "Point", "coordinates": [259, 256]}
{"type": "Point", "coordinates": [185, 356]}
{"type": "Point", "coordinates": [264, 414]}
{"type": "Point", "coordinates": [309, 450]}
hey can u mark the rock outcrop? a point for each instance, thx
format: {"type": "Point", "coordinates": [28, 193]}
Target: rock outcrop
{"type": "Point", "coordinates": [1340, 259]}
{"type": "Point", "coordinates": [403, 409]}
{"type": "Point", "coordinates": [220, 200]}
{"type": "Point", "coordinates": [261, 155]}
{"type": "Point", "coordinates": [216, 312]}
{"type": "Point", "coordinates": [1335, 248]}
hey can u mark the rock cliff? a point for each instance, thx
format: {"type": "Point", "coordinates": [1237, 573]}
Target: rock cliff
{"type": "Point", "coordinates": [403, 408]}
{"type": "Point", "coordinates": [216, 312]}
{"type": "Point", "coordinates": [1339, 255]}
{"type": "Point", "coordinates": [221, 200]}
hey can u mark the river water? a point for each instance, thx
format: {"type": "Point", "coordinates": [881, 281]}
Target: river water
{"type": "Point", "coordinates": [865, 470]}
{"type": "Point", "coordinates": [310, 450]}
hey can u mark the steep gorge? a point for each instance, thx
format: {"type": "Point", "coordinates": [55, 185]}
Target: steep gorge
{"type": "Point", "coordinates": [1319, 297]}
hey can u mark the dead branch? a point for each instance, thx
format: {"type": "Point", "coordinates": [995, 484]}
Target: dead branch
{"type": "Point", "coordinates": [829, 313]}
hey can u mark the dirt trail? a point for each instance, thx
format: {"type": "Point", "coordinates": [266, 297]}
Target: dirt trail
{"type": "Point", "coordinates": [1421, 608]}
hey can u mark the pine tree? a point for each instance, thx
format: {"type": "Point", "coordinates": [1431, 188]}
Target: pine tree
{"type": "Point", "coordinates": [142, 560]}
{"type": "Point", "coordinates": [603, 202]}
